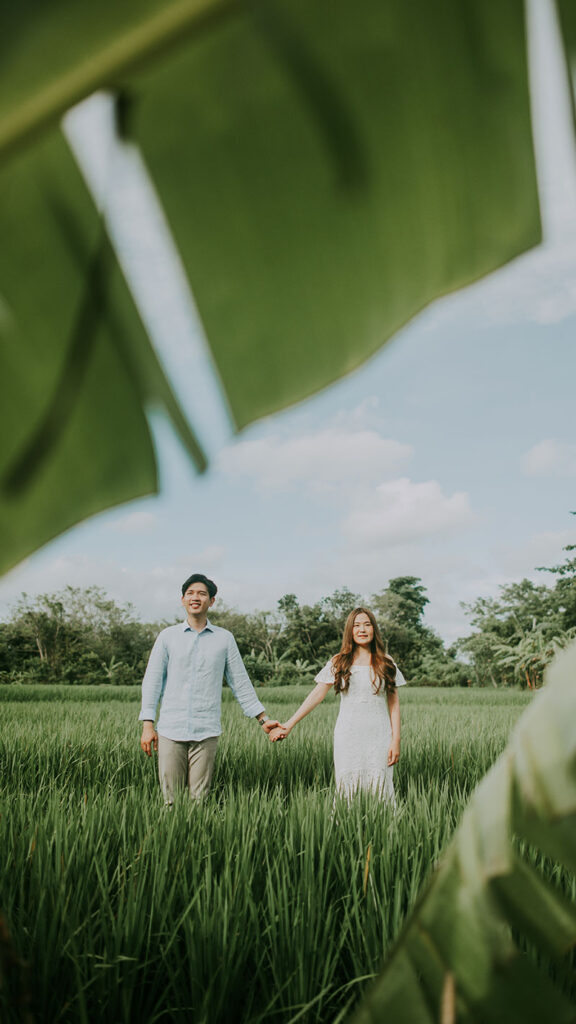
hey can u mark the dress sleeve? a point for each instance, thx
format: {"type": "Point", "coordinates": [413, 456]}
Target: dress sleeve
{"type": "Point", "coordinates": [326, 674]}
{"type": "Point", "coordinates": [400, 681]}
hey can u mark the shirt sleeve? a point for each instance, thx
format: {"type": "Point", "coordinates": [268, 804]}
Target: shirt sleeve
{"type": "Point", "coordinates": [326, 674]}
{"type": "Point", "coordinates": [400, 681]}
{"type": "Point", "coordinates": [239, 681]}
{"type": "Point", "coordinates": [154, 680]}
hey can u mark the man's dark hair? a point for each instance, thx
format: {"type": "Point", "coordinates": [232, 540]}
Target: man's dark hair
{"type": "Point", "coordinates": [198, 577]}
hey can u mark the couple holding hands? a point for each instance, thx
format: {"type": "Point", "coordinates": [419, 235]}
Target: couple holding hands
{"type": "Point", "coordinates": [184, 679]}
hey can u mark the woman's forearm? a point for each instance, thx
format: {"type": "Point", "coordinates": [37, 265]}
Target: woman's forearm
{"type": "Point", "coordinates": [394, 710]}
{"type": "Point", "coordinates": [314, 698]}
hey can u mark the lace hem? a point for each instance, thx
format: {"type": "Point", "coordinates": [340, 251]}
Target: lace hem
{"type": "Point", "coordinates": [378, 783]}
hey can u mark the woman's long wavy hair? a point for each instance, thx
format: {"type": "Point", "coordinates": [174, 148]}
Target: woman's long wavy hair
{"type": "Point", "coordinates": [383, 668]}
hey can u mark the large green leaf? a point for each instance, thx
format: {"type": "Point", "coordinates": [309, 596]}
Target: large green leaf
{"type": "Point", "coordinates": [76, 369]}
{"type": "Point", "coordinates": [326, 174]}
{"type": "Point", "coordinates": [486, 890]}
{"type": "Point", "coordinates": [310, 239]}
{"type": "Point", "coordinates": [53, 55]}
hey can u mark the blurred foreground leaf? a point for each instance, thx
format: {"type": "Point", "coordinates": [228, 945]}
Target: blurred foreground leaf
{"type": "Point", "coordinates": [468, 930]}
{"type": "Point", "coordinates": [76, 368]}
{"type": "Point", "coordinates": [325, 176]}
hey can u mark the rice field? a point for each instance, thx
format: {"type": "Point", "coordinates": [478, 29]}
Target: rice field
{"type": "Point", "coordinates": [269, 901]}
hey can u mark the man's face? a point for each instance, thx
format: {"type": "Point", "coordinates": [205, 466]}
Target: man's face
{"type": "Point", "coordinates": [197, 600]}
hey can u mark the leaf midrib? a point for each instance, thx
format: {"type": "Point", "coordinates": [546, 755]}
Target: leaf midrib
{"type": "Point", "coordinates": [164, 29]}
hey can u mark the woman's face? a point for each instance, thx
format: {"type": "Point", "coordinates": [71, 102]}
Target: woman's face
{"type": "Point", "coordinates": [362, 630]}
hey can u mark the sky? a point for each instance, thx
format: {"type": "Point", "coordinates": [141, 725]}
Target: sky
{"type": "Point", "coordinates": [456, 444]}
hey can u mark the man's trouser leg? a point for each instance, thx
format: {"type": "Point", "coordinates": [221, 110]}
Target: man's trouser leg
{"type": "Point", "coordinates": [201, 757]}
{"type": "Point", "coordinates": [184, 764]}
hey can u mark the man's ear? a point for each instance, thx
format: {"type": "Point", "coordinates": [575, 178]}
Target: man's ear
{"type": "Point", "coordinates": [212, 602]}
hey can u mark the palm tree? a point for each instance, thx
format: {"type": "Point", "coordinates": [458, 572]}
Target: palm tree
{"type": "Point", "coordinates": [528, 654]}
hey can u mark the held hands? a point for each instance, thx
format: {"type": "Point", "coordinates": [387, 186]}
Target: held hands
{"type": "Point", "coordinates": [149, 738]}
{"type": "Point", "coordinates": [279, 733]}
{"type": "Point", "coordinates": [269, 726]}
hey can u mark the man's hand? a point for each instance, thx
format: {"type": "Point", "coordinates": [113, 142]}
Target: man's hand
{"type": "Point", "coordinates": [269, 725]}
{"type": "Point", "coordinates": [279, 733]}
{"type": "Point", "coordinates": [149, 738]}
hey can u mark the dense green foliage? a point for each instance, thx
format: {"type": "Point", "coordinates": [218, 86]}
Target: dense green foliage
{"type": "Point", "coordinates": [75, 636]}
{"type": "Point", "coordinates": [83, 637]}
{"type": "Point", "coordinates": [516, 635]}
{"type": "Point", "coordinates": [268, 901]}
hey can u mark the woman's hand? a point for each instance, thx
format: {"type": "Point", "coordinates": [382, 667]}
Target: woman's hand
{"type": "Point", "coordinates": [393, 754]}
{"type": "Point", "coordinates": [279, 733]}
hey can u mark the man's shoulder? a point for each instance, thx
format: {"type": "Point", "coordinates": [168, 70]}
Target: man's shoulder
{"type": "Point", "coordinates": [226, 634]}
{"type": "Point", "coordinates": [169, 632]}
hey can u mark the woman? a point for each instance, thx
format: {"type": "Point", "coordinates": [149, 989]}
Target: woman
{"type": "Point", "coordinates": [367, 733]}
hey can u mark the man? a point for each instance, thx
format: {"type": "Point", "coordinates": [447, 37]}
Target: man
{"type": "Point", "coordinates": [184, 675]}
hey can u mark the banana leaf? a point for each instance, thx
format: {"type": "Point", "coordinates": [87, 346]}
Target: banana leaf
{"type": "Point", "coordinates": [325, 176]}
{"type": "Point", "coordinates": [488, 900]}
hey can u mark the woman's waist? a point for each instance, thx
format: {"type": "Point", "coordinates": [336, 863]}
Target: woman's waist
{"type": "Point", "coordinates": [378, 708]}
{"type": "Point", "coordinates": [364, 697]}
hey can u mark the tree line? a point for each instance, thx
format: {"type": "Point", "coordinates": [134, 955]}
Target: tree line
{"type": "Point", "coordinates": [517, 634]}
{"type": "Point", "coordinates": [82, 636]}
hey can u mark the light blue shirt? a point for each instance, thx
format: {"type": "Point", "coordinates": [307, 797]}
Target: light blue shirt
{"type": "Point", "coordinates": [184, 675]}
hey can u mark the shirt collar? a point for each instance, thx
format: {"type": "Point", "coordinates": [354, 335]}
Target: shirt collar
{"type": "Point", "coordinates": [208, 627]}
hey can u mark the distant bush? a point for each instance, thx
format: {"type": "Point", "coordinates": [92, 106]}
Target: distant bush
{"type": "Point", "coordinates": [30, 673]}
{"type": "Point", "coordinates": [83, 670]}
{"type": "Point", "coordinates": [274, 671]}
{"type": "Point", "coordinates": [441, 671]}
{"type": "Point", "coordinates": [78, 637]}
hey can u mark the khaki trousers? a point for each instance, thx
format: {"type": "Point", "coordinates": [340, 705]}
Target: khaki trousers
{"type": "Point", "coordinates": [186, 764]}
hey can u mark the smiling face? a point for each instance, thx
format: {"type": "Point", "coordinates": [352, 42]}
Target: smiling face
{"type": "Point", "coordinates": [197, 600]}
{"type": "Point", "coordinates": [362, 630]}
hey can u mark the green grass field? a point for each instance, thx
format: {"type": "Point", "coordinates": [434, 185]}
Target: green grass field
{"type": "Point", "coordinates": [267, 902]}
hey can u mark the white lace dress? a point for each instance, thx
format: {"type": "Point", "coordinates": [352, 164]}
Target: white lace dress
{"type": "Point", "coordinates": [362, 735]}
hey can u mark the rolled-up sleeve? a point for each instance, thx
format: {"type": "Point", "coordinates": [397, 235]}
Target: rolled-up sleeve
{"type": "Point", "coordinates": [239, 681]}
{"type": "Point", "coordinates": [154, 680]}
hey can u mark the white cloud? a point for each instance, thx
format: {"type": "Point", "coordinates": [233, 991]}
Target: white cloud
{"type": "Point", "coordinates": [550, 458]}
{"type": "Point", "coordinates": [449, 573]}
{"type": "Point", "coordinates": [541, 549]}
{"type": "Point", "coordinates": [154, 590]}
{"type": "Point", "coordinates": [401, 511]}
{"type": "Point", "coordinates": [366, 415]}
{"type": "Point", "coordinates": [538, 287]}
{"type": "Point", "coordinates": [134, 522]}
{"type": "Point", "coordinates": [331, 457]}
